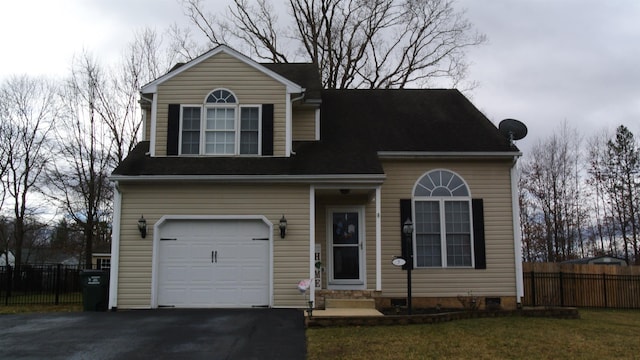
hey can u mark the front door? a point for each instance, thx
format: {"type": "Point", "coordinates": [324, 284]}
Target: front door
{"type": "Point", "coordinates": [345, 229]}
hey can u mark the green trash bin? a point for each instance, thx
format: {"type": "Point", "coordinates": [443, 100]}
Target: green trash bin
{"type": "Point", "coordinates": [95, 290]}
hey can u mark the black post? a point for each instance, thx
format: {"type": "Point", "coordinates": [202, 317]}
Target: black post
{"type": "Point", "coordinates": [409, 267]}
{"type": "Point", "coordinates": [407, 230]}
{"type": "Point", "coordinates": [58, 271]}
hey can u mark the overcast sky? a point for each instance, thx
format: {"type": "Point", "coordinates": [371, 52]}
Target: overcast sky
{"type": "Point", "coordinates": [545, 62]}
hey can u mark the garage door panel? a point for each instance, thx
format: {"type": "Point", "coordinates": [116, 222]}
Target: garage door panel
{"type": "Point", "coordinates": [237, 276]}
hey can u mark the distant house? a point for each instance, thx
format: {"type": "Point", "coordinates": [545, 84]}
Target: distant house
{"type": "Point", "coordinates": [250, 174]}
{"type": "Point", "coordinates": [598, 260]}
{"type": "Point", "coordinates": [101, 257]}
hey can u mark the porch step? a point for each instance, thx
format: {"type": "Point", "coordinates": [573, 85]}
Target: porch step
{"type": "Point", "coordinates": [350, 304]}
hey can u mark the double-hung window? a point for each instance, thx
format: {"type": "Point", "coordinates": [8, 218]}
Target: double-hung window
{"type": "Point", "coordinates": [443, 221]}
{"type": "Point", "coordinates": [220, 126]}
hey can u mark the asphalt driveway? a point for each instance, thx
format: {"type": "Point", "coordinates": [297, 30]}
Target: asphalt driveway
{"type": "Point", "coordinates": [155, 334]}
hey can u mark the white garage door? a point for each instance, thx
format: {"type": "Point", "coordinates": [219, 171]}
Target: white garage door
{"type": "Point", "coordinates": [213, 263]}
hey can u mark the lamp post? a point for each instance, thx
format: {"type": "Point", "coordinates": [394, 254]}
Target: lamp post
{"type": "Point", "coordinates": [407, 230]}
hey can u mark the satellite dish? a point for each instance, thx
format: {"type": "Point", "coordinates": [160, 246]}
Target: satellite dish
{"type": "Point", "coordinates": [512, 129]}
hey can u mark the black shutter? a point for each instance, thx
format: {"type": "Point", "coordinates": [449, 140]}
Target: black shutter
{"type": "Point", "coordinates": [267, 129]}
{"type": "Point", "coordinates": [478, 234]}
{"type": "Point", "coordinates": [173, 129]}
{"type": "Point", "coordinates": [405, 213]}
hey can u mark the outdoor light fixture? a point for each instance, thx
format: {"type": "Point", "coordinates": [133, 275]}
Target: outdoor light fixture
{"type": "Point", "coordinates": [142, 226]}
{"type": "Point", "coordinates": [407, 230]}
{"type": "Point", "coordinates": [283, 226]}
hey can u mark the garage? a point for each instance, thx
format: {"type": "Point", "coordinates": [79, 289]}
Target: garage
{"type": "Point", "coordinates": [213, 263]}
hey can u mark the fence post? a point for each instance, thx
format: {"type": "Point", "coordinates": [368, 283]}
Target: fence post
{"type": "Point", "coordinates": [58, 269]}
{"type": "Point", "coordinates": [561, 289]}
{"type": "Point", "coordinates": [604, 287]}
{"type": "Point", "coordinates": [533, 288]}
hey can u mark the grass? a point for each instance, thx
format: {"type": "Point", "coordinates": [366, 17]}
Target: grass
{"type": "Point", "coordinates": [18, 298]}
{"type": "Point", "coordinates": [598, 334]}
{"type": "Point", "coordinates": [20, 309]}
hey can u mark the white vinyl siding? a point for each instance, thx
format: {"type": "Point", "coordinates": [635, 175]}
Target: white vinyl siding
{"type": "Point", "coordinates": [488, 180]}
{"type": "Point", "coordinates": [290, 255]}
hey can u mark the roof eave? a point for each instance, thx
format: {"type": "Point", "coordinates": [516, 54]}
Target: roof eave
{"type": "Point", "coordinates": [449, 154]}
{"type": "Point", "coordinates": [323, 178]}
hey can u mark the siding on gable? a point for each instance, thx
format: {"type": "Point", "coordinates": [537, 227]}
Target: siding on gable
{"type": "Point", "coordinates": [222, 71]}
{"type": "Point", "coordinates": [489, 180]}
{"type": "Point", "coordinates": [304, 123]}
{"type": "Point", "coordinates": [290, 255]}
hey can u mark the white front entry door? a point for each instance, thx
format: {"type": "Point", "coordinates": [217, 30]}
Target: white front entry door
{"type": "Point", "coordinates": [346, 250]}
{"type": "Point", "coordinates": [213, 263]}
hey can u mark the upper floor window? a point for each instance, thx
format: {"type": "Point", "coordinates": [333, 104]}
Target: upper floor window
{"type": "Point", "coordinates": [221, 126]}
{"type": "Point", "coordinates": [443, 227]}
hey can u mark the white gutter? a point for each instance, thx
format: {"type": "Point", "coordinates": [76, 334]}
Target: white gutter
{"type": "Point", "coordinates": [517, 233]}
{"type": "Point", "coordinates": [447, 154]}
{"type": "Point", "coordinates": [115, 249]}
{"type": "Point", "coordinates": [346, 178]}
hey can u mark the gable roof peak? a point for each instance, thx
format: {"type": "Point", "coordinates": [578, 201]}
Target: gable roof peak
{"type": "Point", "coordinates": [152, 87]}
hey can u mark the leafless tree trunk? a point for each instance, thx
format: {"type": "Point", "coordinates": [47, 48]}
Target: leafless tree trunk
{"type": "Point", "coordinates": [354, 43]}
{"type": "Point", "coordinates": [80, 176]}
{"type": "Point", "coordinates": [28, 109]}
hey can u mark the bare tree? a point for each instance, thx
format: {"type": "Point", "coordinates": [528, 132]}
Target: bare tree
{"type": "Point", "coordinates": [604, 231]}
{"type": "Point", "coordinates": [84, 147]}
{"type": "Point", "coordinates": [623, 168]}
{"type": "Point", "coordinates": [354, 43]}
{"type": "Point", "coordinates": [551, 180]}
{"type": "Point", "coordinates": [28, 110]}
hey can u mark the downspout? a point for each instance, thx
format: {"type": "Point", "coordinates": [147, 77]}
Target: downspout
{"type": "Point", "coordinates": [312, 243]}
{"type": "Point", "coordinates": [378, 238]}
{"type": "Point", "coordinates": [289, 124]}
{"type": "Point", "coordinates": [152, 133]}
{"type": "Point", "coordinates": [145, 122]}
{"type": "Point", "coordinates": [517, 233]}
{"type": "Point", "coordinates": [115, 248]}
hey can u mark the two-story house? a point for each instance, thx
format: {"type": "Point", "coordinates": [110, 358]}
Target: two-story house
{"type": "Point", "coordinates": [251, 177]}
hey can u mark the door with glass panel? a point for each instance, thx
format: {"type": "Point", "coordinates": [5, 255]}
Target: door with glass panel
{"type": "Point", "coordinates": [345, 244]}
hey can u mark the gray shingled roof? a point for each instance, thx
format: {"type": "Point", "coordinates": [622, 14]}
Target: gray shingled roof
{"type": "Point", "coordinates": [355, 126]}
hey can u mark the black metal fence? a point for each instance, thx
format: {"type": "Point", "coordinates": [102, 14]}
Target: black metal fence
{"type": "Point", "coordinates": [44, 284]}
{"type": "Point", "coordinates": [581, 290]}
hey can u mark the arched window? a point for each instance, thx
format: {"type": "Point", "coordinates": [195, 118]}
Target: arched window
{"type": "Point", "coordinates": [221, 96]}
{"type": "Point", "coordinates": [443, 228]}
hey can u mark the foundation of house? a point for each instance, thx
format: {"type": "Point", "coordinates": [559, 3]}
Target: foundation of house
{"type": "Point", "coordinates": [469, 302]}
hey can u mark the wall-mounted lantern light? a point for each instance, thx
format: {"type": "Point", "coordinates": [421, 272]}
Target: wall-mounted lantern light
{"type": "Point", "coordinates": [283, 226]}
{"type": "Point", "coordinates": [142, 226]}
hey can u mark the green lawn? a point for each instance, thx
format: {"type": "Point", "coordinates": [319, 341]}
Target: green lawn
{"type": "Point", "coordinates": [18, 309]}
{"type": "Point", "coordinates": [597, 335]}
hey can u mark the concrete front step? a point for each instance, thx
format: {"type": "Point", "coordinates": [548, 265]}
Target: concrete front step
{"type": "Point", "coordinates": [349, 304]}
{"type": "Point", "coordinates": [344, 312]}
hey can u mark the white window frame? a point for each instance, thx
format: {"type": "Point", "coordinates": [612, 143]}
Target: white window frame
{"type": "Point", "coordinates": [237, 125]}
{"type": "Point", "coordinates": [441, 200]}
